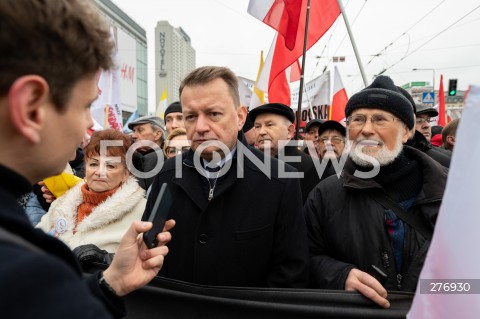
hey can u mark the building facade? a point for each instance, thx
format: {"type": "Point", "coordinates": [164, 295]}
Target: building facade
{"type": "Point", "coordinates": [131, 41]}
{"type": "Point", "coordinates": [174, 59]}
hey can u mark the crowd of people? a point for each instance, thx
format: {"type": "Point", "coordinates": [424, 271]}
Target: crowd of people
{"type": "Point", "coordinates": [350, 207]}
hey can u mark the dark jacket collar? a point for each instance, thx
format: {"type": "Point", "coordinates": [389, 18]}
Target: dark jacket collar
{"type": "Point", "coordinates": [13, 183]}
{"type": "Point", "coordinates": [192, 180]}
{"type": "Point", "coordinates": [434, 176]}
{"type": "Point", "coordinates": [419, 141]}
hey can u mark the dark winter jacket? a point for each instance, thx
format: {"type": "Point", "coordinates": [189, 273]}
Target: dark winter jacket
{"type": "Point", "coordinates": [46, 283]}
{"type": "Point", "coordinates": [306, 166]}
{"type": "Point", "coordinates": [347, 228]}
{"type": "Point", "coordinates": [252, 233]}
{"type": "Point", "coordinates": [421, 143]}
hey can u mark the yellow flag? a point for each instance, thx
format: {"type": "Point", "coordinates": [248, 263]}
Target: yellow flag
{"type": "Point", "coordinates": [258, 96]}
{"type": "Point", "coordinates": [162, 104]}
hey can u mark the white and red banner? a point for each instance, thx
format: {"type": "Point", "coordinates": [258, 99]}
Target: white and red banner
{"type": "Point", "coordinates": [106, 109]}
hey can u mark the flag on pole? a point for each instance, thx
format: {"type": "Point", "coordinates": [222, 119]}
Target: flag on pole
{"type": "Point", "coordinates": [441, 104]}
{"type": "Point", "coordinates": [282, 15]}
{"type": "Point", "coordinates": [281, 55]}
{"type": "Point", "coordinates": [162, 105]}
{"type": "Point", "coordinates": [340, 99]}
{"type": "Point", "coordinates": [453, 258]}
{"type": "Point", "coordinates": [258, 96]}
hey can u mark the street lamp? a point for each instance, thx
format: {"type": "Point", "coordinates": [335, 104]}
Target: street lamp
{"type": "Point", "coordinates": [433, 82]}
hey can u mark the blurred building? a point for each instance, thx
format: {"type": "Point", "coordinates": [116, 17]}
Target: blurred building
{"type": "Point", "coordinates": [174, 59]}
{"type": "Point", "coordinates": [132, 58]}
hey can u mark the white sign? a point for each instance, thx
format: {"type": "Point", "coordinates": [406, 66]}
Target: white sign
{"type": "Point", "coordinates": [127, 61]}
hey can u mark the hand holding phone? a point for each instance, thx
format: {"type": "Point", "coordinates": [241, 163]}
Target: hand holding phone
{"type": "Point", "coordinates": [158, 216]}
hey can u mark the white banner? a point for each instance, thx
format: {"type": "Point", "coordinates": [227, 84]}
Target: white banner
{"type": "Point", "coordinates": [127, 61]}
{"type": "Point", "coordinates": [106, 109]}
{"type": "Point", "coordinates": [245, 88]}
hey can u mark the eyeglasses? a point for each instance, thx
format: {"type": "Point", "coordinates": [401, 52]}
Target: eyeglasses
{"type": "Point", "coordinates": [177, 150]}
{"type": "Point", "coordinates": [421, 120]}
{"type": "Point", "coordinates": [378, 120]}
{"type": "Point", "coordinates": [333, 140]}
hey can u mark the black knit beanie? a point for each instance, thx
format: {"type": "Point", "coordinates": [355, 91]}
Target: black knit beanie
{"type": "Point", "coordinates": [173, 108]}
{"type": "Point", "coordinates": [383, 94]}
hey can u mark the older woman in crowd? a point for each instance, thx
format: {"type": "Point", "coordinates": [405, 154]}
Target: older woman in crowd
{"type": "Point", "coordinates": [99, 210]}
{"type": "Point", "coordinates": [176, 143]}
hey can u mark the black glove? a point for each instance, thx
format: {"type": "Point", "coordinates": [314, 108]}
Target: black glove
{"type": "Point", "coordinates": [90, 253]}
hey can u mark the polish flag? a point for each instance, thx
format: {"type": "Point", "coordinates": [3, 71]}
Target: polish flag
{"type": "Point", "coordinates": [281, 15]}
{"type": "Point", "coordinates": [441, 103]}
{"type": "Point", "coordinates": [340, 99]}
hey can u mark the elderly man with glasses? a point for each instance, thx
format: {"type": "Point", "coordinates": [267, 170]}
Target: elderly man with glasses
{"type": "Point", "coordinates": [370, 229]}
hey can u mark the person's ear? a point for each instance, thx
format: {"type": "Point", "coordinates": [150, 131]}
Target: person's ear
{"type": "Point", "coordinates": [291, 131]}
{"type": "Point", "coordinates": [28, 98]}
{"type": "Point", "coordinates": [242, 114]}
{"type": "Point", "coordinates": [407, 133]}
{"type": "Point", "coordinates": [451, 140]}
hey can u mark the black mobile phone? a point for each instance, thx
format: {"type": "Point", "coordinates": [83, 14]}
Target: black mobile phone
{"type": "Point", "coordinates": [158, 216]}
{"type": "Point", "coordinates": [378, 274]}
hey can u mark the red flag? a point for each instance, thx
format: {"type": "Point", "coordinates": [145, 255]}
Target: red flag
{"type": "Point", "coordinates": [339, 100]}
{"type": "Point", "coordinates": [322, 15]}
{"type": "Point", "coordinates": [282, 15]}
{"type": "Point", "coordinates": [441, 104]}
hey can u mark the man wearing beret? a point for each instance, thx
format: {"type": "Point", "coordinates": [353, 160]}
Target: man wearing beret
{"type": "Point", "coordinates": [173, 117]}
{"type": "Point", "coordinates": [370, 229]}
{"type": "Point", "coordinates": [274, 128]}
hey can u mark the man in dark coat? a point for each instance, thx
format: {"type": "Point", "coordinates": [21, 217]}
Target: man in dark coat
{"type": "Point", "coordinates": [274, 130]}
{"type": "Point", "coordinates": [420, 135]}
{"type": "Point", "coordinates": [51, 54]}
{"type": "Point", "coordinates": [350, 232]}
{"type": "Point", "coordinates": [237, 222]}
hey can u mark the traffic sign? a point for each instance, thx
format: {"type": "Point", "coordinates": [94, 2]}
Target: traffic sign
{"type": "Point", "coordinates": [428, 98]}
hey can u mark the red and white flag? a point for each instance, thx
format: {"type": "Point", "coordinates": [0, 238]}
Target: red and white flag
{"type": "Point", "coordinates": [441, 104]}
{"type": "Point", "coordinates": [340, 99]}
{"type": "Point", "coordinates": [288, 18]}
{"type": "Point", "coordinates": [282, 15]}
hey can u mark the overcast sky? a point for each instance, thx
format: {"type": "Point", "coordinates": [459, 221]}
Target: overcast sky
{"type": "Point", "coordinates": [415, 33]}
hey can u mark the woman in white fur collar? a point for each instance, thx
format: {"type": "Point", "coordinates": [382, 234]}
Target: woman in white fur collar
{"type": "Point", "coordinates": [99, 210]}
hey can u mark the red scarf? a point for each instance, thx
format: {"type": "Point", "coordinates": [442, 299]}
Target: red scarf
{"type": "Point", "coordinates": [91, 200]}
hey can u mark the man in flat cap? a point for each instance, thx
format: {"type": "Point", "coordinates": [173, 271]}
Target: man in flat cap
{"type": "Point", "coordinates": [311, 134]}
{"type": "Point", "coordinates": [150, 131]}
{"type": "Point", "coordinates": [424, 116]}
{"type": "Point", "coordinates": [174, 117]}
{"type": "Point", "coordinates": [274, 128]}
{"type": "Point", "coordinates": [148, 128]}
{"type": "Point", "coordinates": [370, 229]}
{"type": "Point", "coordinates": [421, 134]}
